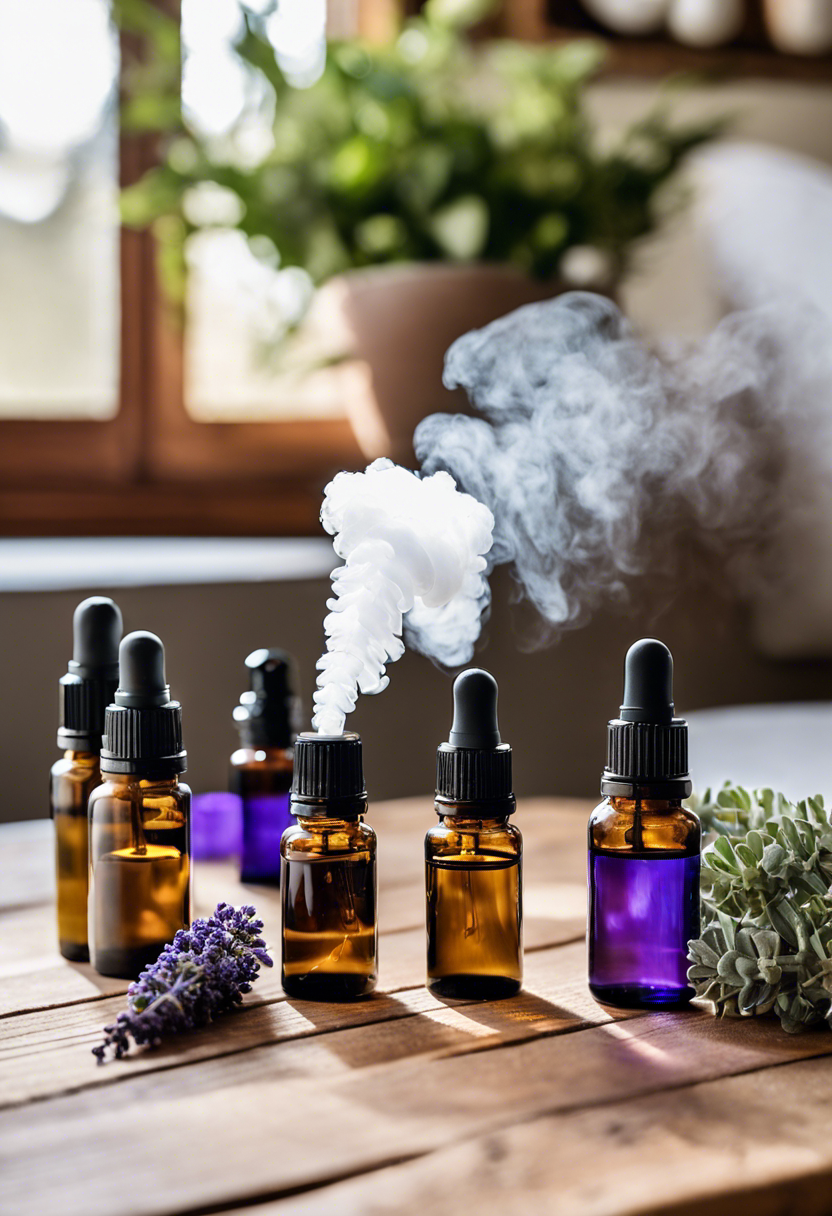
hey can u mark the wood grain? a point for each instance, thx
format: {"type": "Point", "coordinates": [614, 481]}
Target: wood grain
{"type": "Point", "coordinates": [49, 1052]}
{"type": "Point", "coordinates": [310, 1112]}
{"type": "Point", "coordinates": [401, 1103]}
{"type": "Point", "coordinates": [716, 1148]}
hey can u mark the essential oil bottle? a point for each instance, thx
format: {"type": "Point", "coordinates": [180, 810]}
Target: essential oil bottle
{"type": "Point", "coordinates": [139, 819]}
{"type": "Point", "coordinates": [261, 768]}
{"type": "Point", "coordinates": [328, 874]}
{"type": "Point", "coordinates": [473, 857]}
{"type": "Point", "coordinates": [644, 846]}
{"type": "Point", "coordinates": [85, 692]}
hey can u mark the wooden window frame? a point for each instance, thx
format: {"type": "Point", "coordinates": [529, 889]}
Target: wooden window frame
{"type": "Point", "coordinates": [153, 469]}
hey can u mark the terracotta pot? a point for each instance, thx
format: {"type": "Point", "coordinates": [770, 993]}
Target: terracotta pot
{"type": "Point", "coordinates": [399, 321]}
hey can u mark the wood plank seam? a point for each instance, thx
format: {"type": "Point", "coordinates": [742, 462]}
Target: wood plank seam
{"type": "Point", "coordinates": [314, 1033]}
{"type": "Point", "coordinates": [254, 1002]}
{"type": "Point", "coordinates": [295, 1189]}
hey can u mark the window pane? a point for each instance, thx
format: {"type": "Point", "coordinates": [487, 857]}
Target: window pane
{"type": "Point", "coordinates": [59, 250]}
{"type": "Point", "coordinates": [239, 300]}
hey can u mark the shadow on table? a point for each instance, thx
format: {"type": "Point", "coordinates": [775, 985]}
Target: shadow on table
{"type": "Point", "coordinates": [450, 1027]}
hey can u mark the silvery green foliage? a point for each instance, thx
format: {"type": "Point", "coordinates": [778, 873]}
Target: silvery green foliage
{"type": "Point", "coordinates": [766, 943]}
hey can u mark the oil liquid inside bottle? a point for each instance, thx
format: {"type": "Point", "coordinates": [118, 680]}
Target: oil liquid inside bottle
{"type": "Point", "coordinates": [474, 925]}
{"type": "Point", "coordinates": [643, 902]}
{"type": "Point", "coordinates": [643, 912]}
{"type": "Point", "coordinates": [140, 897]}
{"type": "Point", "coordinates": [71, 868]}
{"type": "Point", "coordinates": [72, 780]}
{"type": "Point", "coordinates": [329, 926]}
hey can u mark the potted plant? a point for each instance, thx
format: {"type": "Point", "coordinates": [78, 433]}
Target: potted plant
{"type": "Point", "coordinates": [433, 182]}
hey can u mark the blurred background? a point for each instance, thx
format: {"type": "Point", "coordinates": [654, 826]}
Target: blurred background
{"type": "Point", "coordinates": [236, 240]}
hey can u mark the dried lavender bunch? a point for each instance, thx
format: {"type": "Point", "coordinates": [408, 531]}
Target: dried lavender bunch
{"type": "Point", "coordinates": [203, 972]}
{"type": "Point", "coordinates": [766, 944]}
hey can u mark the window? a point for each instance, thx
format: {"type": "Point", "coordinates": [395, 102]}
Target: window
{"type": "Point", "coordinates": [113, 417]}
{"type": "Point", "coordinates": [58, 211]}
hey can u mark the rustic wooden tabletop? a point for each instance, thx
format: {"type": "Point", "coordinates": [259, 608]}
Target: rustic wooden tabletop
{"type": "Point", "coordinates": [544, 1103]}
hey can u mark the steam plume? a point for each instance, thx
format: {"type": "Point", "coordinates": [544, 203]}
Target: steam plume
{"type": "Point", "coordinates": [410, 544]}
{"type": "Point", "coordinates": [593, 452]}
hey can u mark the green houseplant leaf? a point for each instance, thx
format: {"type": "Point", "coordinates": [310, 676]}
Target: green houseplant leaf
{"type": "Point", "coordinates": [432, 147]}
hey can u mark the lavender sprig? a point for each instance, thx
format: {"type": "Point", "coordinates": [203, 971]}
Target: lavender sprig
{"type": "Point", "coordinates": [203, 972]}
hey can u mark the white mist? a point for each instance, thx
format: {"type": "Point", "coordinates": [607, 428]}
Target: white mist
{"type": "Point", "coordinates": [410, 545]}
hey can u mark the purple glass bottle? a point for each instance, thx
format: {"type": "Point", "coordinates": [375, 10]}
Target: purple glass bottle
{"type": "Point", "coordinates": [261, 769]}
{"type": "Point", "coordinates": [644, 847]}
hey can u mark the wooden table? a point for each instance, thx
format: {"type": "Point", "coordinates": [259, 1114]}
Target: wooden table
{"type": "Point", "coordinates": [545, 1103]}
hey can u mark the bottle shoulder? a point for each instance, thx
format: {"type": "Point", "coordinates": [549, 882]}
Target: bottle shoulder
{"type": "Point", "coordinates": [327, 838]}
{"type": "Point", "coordinates": [452, 835]}
{"type": "Point", "coordinates": [125, 788]}
{"type": "Point", "coordinates": [76, 766]}
{"type": "Point", "coordinates": [635, 825]}
{"type": "Point", "coordinates": [72, 779]}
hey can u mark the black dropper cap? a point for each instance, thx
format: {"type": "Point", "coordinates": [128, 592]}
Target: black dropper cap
{"type": "Point", "coordinates": [143, 727]}
{"type": "Point", "coordinates": [92, 675]}
{"type": "Point", "coordinates": [269, 713]}
{"type": "Point", "coordinates": [647, 746]}
{"type": "Point", "coordinates": [474, 766]}
{"type": "Point", "coordinates": [328, 777]}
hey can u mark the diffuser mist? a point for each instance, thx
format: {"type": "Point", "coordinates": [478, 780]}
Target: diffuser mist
{"type": "Point", "coordinates": [411, 545]}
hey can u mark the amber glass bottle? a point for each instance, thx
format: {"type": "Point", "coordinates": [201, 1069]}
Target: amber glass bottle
{"type": "Point", "coordinates": [139, 819]}
{"type": "Point", "coordinates": [261, 768]}
{"type": "Point", "coordinates": [328, 875]}
{"type": "Point", "coordinates": [644, 847]}
{"type": "Point", "coordinates": [85, 692]}
{"type": "Point", "coordinates": [473, 857]}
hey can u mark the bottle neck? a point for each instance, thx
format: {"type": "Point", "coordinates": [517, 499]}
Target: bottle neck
{"type": "Point", "coordinates": [471, 822]}
{"type": "Point", "coordinates": [142, 779]}
{"type": "Point", "coordinates": [335, 810]}
{"type": "Point", "coordinates": [651, 806]}
{"type": "Point", "coordinates": [327, 823]}
{"type": "Point", "coordinates": [83, 759]}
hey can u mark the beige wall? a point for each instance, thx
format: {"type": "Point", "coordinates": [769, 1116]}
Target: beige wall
{"type": "Point", "coordinates": [554, 704]}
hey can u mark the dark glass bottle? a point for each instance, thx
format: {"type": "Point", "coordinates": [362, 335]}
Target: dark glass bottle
{"type": "Point", "coordinates": [139, 819]}
{"type": "Point", "coordinates": [473, 857]}
{"type": "Point", "coordinates": [85, 692]}
{"type": "Point", "coordinates": [328, 875]}
{"type": "Point", "coordinates": [261, 768]}
{"type": "Point", "coordinates": [140, 870]}
{"type": "Point", "coordinates": [644, 847]}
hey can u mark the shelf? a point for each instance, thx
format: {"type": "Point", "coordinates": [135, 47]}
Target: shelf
{"type": "Point", "coordinates": [749, 55]}
{"type": "Point", "coordinates": [661, 57]}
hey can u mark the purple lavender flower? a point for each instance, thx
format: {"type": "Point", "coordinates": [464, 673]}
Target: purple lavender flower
{"type": "Point", "coordinates": [203, 972]}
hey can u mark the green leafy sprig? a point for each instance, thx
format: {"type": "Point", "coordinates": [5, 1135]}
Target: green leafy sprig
{"type": "Point", "coordinates": [766, 943]}
{"type": "Point", "coordinates": [432, 146]}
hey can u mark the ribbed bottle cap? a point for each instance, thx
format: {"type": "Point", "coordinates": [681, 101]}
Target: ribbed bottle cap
{"type": "Point", "coordinates": [90, 682]}
{"type": "Point", "coordinates": [474, 766]}
{"type": "Point", "coordinates": [647, 746]}
{"type": "Point", "coordinates": [143, 727]}
{"type": "Point", "coordinates": [328, 772]}
{"type": "Point", "coordinates": [269, 712]}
